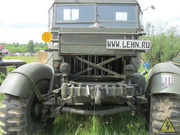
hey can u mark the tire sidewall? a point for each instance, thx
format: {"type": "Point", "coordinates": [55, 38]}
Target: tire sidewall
{"type": "Point", "coordinates": [32, 123]}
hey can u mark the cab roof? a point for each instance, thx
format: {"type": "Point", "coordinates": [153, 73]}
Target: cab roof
{"type": "Point", "coordinates": [97, 1]}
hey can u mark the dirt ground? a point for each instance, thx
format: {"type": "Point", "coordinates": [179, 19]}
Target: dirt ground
{"type": "Point", "coordinates": [42, 56]}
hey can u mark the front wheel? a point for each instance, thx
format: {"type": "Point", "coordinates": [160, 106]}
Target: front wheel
{"type": "Point", "coordinates": [164, 114]}
{"type": "Point", "coordinates": [22, 116]}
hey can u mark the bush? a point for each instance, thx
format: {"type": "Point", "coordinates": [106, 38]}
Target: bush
{"type": "Point", "coordinates": [165, 43]}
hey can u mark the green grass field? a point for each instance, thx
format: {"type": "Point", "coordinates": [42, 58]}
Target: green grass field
{"type": "Point", "coordinates": [71, 124]}
{"type": "Point", "coordinates": [27, 59]}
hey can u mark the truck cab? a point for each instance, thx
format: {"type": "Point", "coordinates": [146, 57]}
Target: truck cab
{"type": "Point", "coordinates": [91, 30]}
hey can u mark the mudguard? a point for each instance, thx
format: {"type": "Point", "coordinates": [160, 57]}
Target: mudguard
{"type": "Point", "coordinates": [27, 78]}
{"type": "Point", "coordinates": [163, 78]}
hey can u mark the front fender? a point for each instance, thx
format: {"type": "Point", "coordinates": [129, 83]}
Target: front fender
{"type": "Point", "coordinates": [163, 78]}
{"type": "Point", "coordinates": [19, 82]}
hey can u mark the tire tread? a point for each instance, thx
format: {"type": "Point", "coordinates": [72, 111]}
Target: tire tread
{"type": "Point", "coordinates": [162, 106]}
{"type": "Point", "coordinates": [12, 118]}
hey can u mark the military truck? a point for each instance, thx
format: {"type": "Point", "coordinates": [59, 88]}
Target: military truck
{"type": "Point", "coordinates": [94, 57]}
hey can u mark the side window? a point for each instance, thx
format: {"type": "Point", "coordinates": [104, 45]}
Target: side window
{"type": "Point", "coordinates": [50, 20]}
{"type": "Point", "coordinates": [141, 19]}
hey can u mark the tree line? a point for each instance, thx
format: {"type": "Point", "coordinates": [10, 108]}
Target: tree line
{"type": "Point", "coordinates": [31, 47]}
{"type": "Point", "coordinates": [165, 43]}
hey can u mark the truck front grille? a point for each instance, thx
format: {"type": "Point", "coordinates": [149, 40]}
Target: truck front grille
{"type": "Point", "coordinates": [77, 66]}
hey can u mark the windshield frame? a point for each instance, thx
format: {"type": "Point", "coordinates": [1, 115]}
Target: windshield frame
{"type": "Point", "coordinates": [58, 23]}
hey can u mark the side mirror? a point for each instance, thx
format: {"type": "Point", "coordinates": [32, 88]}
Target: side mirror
{"type": "Point", "coordinates": [152, 7]}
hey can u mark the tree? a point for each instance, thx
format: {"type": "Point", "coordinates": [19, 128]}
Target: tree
{"type": "Point", "coordinates": [37, 49]}
{"type": "Point", "coordinates": [30, 46]}
{"type": "Point", "coordinates": [23, 48]}
{"type": "Point", "coordinates": [165, 43]}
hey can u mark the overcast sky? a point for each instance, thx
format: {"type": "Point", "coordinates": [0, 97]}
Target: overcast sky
{"type": "Point", "coordinates": [23, 20]}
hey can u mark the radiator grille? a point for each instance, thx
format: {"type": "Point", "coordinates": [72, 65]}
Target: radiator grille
{"type": "Point", "coordinates": [77, 66]}
{"type": "Point", "coordinates": [115, 66]}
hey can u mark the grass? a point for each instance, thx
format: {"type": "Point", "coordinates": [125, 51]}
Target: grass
{"type": "Point", "coordinates": [119, 124]}
{"type": "Point", "coordinates": [27, 59]}
{"type": "Point", "coordinates": [72, 124]}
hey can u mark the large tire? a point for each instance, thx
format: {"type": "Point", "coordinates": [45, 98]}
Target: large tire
{"type": "Point", "coordinates": [18, 118]}
{"type": "Point", "coordinates": [161, 107]}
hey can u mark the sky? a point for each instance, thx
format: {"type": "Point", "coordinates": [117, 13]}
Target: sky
{"type": "Point", "coordinates": [24, 20]}
{"type": "Point", "coordinates": [165, 12]}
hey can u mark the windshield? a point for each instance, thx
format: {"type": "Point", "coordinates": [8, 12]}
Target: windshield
{"type": "Point", "coordinates": [122, 15]}
{"type": "Point", "coordinates": [75, 13]}
{"type": "Point", "coordinates": [116, 13]}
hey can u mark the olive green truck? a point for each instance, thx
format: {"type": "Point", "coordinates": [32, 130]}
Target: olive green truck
{"type": "Point", "coordinates": [94, 57]}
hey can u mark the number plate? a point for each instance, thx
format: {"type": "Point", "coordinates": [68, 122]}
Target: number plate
{"type": "Point", "coordinates": [128, 44]}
